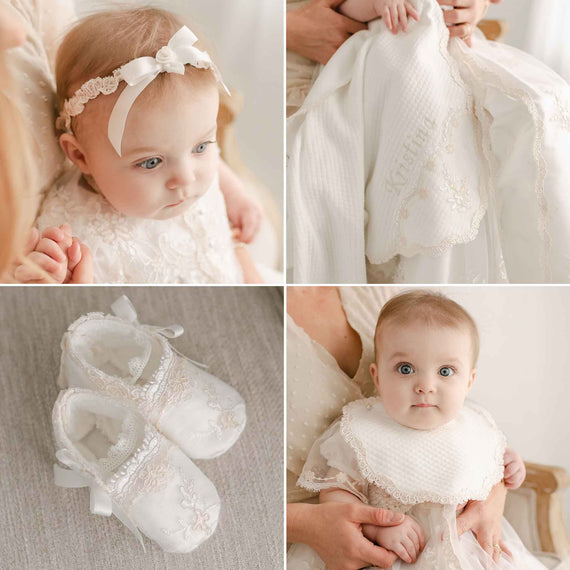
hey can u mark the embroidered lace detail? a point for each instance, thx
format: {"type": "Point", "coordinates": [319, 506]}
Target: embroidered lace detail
{"type": "Point", "coordinates": [126, 442]}
{"type": "Point", "coordinates": [333, 479]}
{"type": "Point", "coordinates": [196, 520]}
{"type": "Point", "coordinates": [195, 247]}
{"type": "Point", "coordinates": [483, 73]}
{"type": "Point", "coordinates": [146, 472]}
{"type": "Point", "coordinates": [183, 385]}
{"type": "Point", "coordinates": [89, 90]}
{"type": "Point", "coordinates": [377, 497]}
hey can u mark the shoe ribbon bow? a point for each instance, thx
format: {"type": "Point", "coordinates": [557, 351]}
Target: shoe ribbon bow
{"type": "Point", "coordinates": [124, 309]}
{"type": "Point", "coordinates": [100, 502]}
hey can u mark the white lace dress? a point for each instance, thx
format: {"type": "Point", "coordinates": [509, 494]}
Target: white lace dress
{"type": "Point", "coordinates": [195, 247]}
{"type": "Point", "coordinates": [423, 473]}
{"type": "Point", "coordinates": [445, 162]}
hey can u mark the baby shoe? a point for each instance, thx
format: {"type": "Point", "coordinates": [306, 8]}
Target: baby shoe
{"type": "Point", "coordinates": [132, 471]}
{"type": "Point", "coordinates": [117, 356]}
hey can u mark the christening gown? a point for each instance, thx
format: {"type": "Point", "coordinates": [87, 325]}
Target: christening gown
{"type": "Point", "coordinates": [418, 159]}
{"type": "Point", "coordinates": [194, 247]}
{"type": "Point", "coordinates": [426, 474]}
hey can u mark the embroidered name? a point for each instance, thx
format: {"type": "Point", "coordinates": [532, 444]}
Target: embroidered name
{"type": "Point", "coordinates": [399, 175]}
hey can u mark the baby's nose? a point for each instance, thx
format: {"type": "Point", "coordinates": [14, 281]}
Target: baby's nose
{"type": "Point", "coordinates": [182, 177]}
{"type": "Point", "coordinates": [424, 386]}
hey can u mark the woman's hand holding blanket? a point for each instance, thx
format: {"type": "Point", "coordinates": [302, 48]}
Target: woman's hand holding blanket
{"type": "Point", "coordinates": [465, 15]}
{"type": "Point", "coordinates": [317, 30]}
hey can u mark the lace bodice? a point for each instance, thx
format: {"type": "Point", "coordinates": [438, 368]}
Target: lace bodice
{"type": "Point", "coordinates": [195, 247]}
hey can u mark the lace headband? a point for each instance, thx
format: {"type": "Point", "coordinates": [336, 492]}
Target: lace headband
{"type": "Point", "coordinates": [138, 73]}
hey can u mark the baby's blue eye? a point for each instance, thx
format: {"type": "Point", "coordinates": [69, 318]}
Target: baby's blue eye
{"type": "Point", "coordinates": [150, 163]}
{"type": "Point", "coordinates": [446, 371]}
{"type": "Point", "coordinates": [199, 149]}
{"type": "Point", "coordinates": [405, 369]}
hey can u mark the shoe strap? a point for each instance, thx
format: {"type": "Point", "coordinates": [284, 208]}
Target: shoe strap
{"type": "Point", "coordinates": [124, 309]}
{"type": "Point", "coordinates": [100, 502]}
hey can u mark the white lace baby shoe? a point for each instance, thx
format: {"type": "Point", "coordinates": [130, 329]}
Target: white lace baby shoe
{"type": "Point", "coordinates": [133, 472]}
{"type": "Point", "coordinates": [117, 356]}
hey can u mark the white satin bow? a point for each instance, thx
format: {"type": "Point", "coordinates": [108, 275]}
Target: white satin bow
{"type": "Point", "coordinates": [124, 309]}
{"type": "Point", "coordinates": [100, 503]}
{"type": "Point", "coordinates": [139, 72]}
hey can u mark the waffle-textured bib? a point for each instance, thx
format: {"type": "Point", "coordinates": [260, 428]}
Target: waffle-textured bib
{"type": "Point", "coordinates": [451, 464]}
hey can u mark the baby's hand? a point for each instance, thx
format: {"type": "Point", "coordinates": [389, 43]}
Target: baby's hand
{"type": "Point", "coordinates": [244, 214]}
{"type": "Point", "coordinates": [395, 13]}
{"type": "Point", "coordinates": [53, 255]}
{"type": "Point", "coordinates": [515, 471]}
{"type": "Point", "coordinates": [406, 540]}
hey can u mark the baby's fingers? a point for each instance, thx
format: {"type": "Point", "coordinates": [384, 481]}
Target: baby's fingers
{"type": "Point", "coordinates": [73, 254]}
{"type": "Point", "coordinates": [53, 233]}
{"type": "Point", "coordinates": [51, 249]}
{"type": "Point", "coordinates": [403, 17]}
{"type": "Point", "coordinates": [412, 11]}
{"type": "Point", "coordinates": [394, 18]}
{"type": "Point", "coordinates": [403, 553]}
{"type": "Point", "coordinates": [387, 18]}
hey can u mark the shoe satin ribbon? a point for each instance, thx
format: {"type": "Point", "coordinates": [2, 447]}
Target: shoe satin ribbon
{"type": "Point", "coordinates": [100, 502]}
{"type": "Point", "coordinates": [124, 309]}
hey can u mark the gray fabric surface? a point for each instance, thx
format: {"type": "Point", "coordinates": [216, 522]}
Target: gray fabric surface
{"type": "Point", "coordinates": [237, 331]}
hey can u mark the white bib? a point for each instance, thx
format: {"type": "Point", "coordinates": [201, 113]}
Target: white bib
{"type": "Point", "coordinates": [451, 464]}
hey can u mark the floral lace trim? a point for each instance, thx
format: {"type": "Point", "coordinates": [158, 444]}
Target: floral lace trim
{"type": "Point", "coordinates": [312, 482]}
{"type": "Point", "coordinates": [126, 442]}
{"type": "Point", "coordinates": [147, 471]}
{"type": "Point", "coordinates": [89, 90]}
{"type": "Point", "coordinates": [196, 519]}
{"type": "Point", "coordinates": [183, 382]}
{"type": "Point", "coordinates": [479, 69]}
{"type": "Point", "coordinates": [461, 496]}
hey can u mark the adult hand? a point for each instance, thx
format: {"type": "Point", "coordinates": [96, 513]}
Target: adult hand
{"type": "Point", "coordinates": [484, 518]}
{"type": "Point", "coordinates": [465, 15]}
{"type": "Point", "coordinates": [317, 30]}
{"type": "Point", "coordinates": [334, 531]}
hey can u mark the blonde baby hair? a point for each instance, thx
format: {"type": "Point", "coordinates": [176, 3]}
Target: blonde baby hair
{"type": "Point", "coordinates": [103, 42]}
{"type": "Point", "coordinates": [429, 307]}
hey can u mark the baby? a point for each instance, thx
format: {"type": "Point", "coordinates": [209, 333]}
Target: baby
{"type": "Point", "coordinates": [395, 13]}
{"type": "Point", "coordinates": [419, 448]}
{"type": "Point", "coordinates": [149, 196]}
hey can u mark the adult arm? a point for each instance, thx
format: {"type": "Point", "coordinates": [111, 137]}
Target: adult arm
{"type": "Point", "coordinates": [334, 531]}
{"type": "Point", "coordinates": [317, 30]}
{"type": "Point", "coordinates": [465, 15]}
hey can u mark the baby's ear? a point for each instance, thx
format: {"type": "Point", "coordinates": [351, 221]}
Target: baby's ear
{"type": "Point", "coordinates": [375, 378]}
{"type": "Point", "coordinates": [74, 151]}
{"type": "Point", "coordinates": [472, 377]}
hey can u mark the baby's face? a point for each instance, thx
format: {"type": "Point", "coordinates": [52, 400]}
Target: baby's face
{"type": "Point", "coordinates": [169, 156]}
{"type": "Point", "coordinates": [423, 372]}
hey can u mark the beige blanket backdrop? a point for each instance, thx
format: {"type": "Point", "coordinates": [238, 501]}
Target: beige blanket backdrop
{"type": "Point", "coordinates": [237, 332]}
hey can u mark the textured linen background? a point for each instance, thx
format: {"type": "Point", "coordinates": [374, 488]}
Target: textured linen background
{"type": "Point", "coordinates": [237, 332]}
